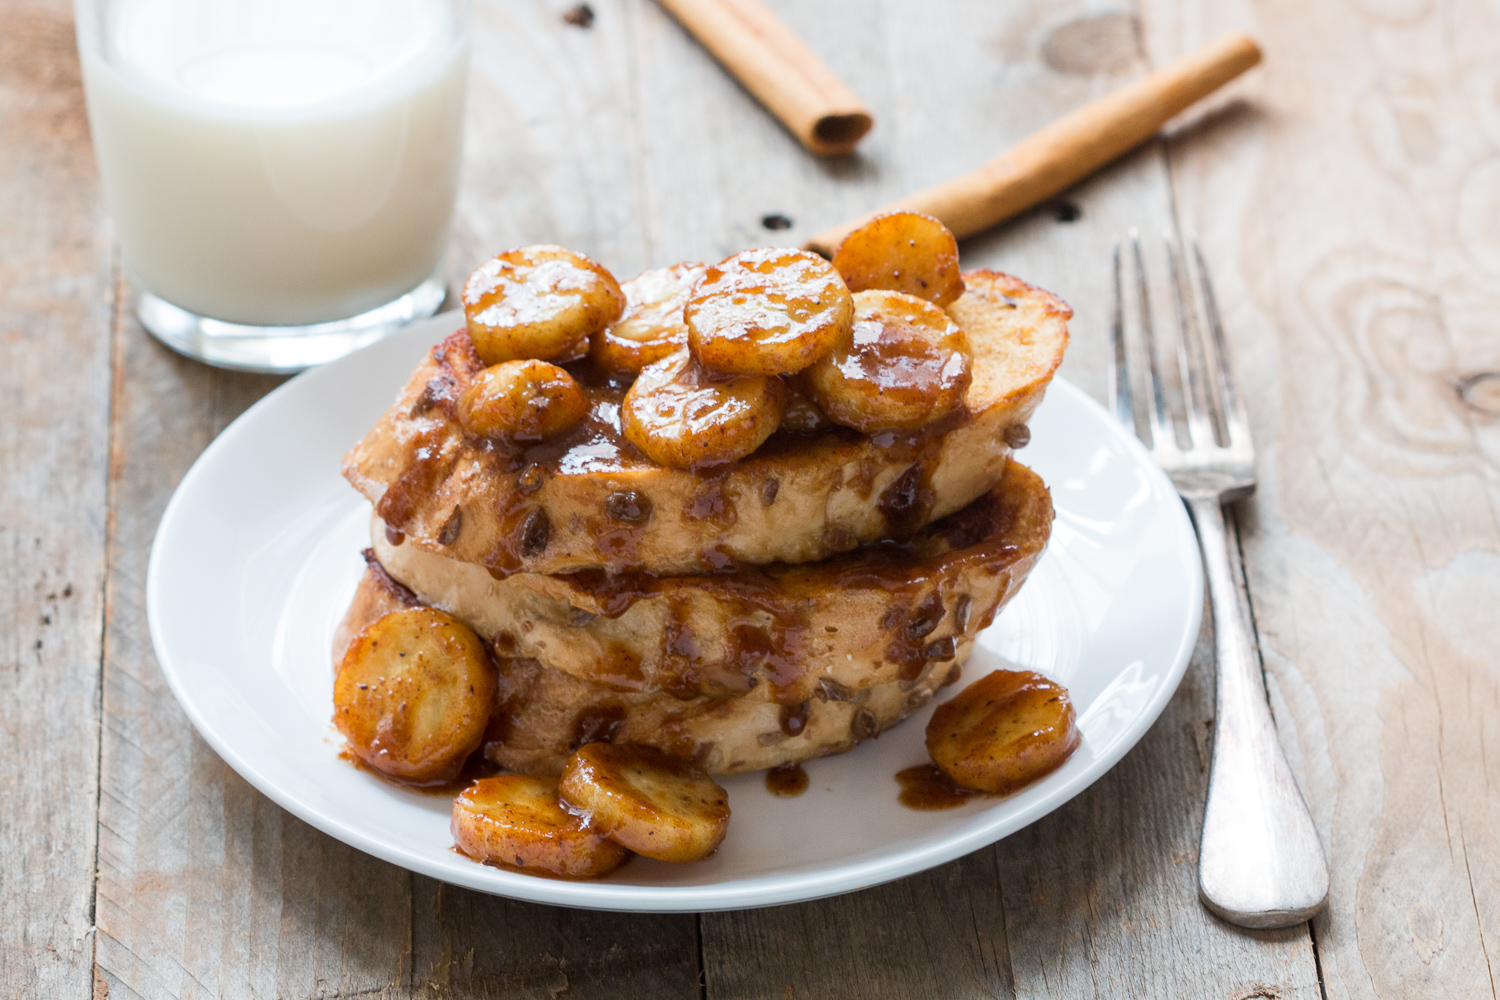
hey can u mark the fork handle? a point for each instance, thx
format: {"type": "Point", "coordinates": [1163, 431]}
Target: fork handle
{"type": "Point", "coordinates": [1260, 863]}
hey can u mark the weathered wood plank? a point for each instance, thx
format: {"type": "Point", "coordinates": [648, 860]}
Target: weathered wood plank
{"type": "Point", "coordinates": [714, 164]}
{"type": "Point", "coordinates": [550, 136]}
{"type": "Point", "coordinates": [470, 945]}
{"type": "Point", "coordinates": [1351, 219]}
{"type": "Point", "coordinates": [55, 306]}
{"type": "Point", "coordinates": [940, 934]}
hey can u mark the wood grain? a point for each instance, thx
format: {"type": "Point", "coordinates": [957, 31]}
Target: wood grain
{"type": "Point", "coordinates": [1352, 219]}
{"type": "Point", "coordinates": [549, 136]}
{"type": "Point", "coordinates": [55, 306]}
{"type": "Point", "coordinates": [940, 934]}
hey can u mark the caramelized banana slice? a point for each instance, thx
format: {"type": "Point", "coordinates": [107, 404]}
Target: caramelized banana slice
{"type": "Point", "coordinates": [516, 820]}
{"type": "Point", "coordinates": [1003, 731]}
{"type": "Point", "coordinates": [680, 416]}
{"type": "Point", "coordinates": [767, 312]}
{"type": "Point", "coordinates": [650, 802]}
{"type": "Point", "coordinates": [906, 365]}
{"type": "Point", "coordinates": [539, 302]}
{"type": "Point", "coordinates": [522, 401]}
{"type": "Point", "coordinates": [413, 694]}
{"type": "Point", "coordinates": [652, 326]}
{"type": "Point", "coordinates": [902, 252]}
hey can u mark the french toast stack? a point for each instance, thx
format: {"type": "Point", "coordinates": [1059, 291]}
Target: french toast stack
{"type": "Point", "coordinates": [742, 562]}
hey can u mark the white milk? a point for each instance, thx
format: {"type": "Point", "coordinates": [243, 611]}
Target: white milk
{"type": "Point", "coordinates": [278, 162]}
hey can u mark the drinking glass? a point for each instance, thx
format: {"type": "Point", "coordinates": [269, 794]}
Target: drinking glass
{"type": "Point", "coordinates": [281, 173]}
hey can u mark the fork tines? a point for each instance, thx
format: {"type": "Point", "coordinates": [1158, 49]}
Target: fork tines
{"type": "Point", "coordinates": [1202, 390]}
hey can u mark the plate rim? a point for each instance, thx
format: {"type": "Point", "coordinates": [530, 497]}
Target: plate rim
{"type": "Point", "coordinates": [739, 893]}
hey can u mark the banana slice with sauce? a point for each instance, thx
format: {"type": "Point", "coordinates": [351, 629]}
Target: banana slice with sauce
{"type": "Point", "coordinates": [652, 326]}
{"type": "Point", "coordinates": [521, 401]}
{"type": "Point", "coordinates": [1003, 731]}
{"type": "Point", "coordinates": [540, 302]}
{"type": "Point", "coordinates": [683, 416]}
{"type": "Point", "coordinates": [906, 365]}
{"type": "Point", "coordinates": [902, 252]}
{"type": "Point", "coordinates": [767, 312]}
{"type": "Point", "coordinates": [647, 800]}
{"type": "Point", "coordinates": [516, 820]}
{"type": "Point", "coordinates": [413, 694]}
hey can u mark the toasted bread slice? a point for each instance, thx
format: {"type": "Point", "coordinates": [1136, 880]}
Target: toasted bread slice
{"type": "Point", "coordinates": [543, 716]}
{"type": "Point", "coordinates": [554, 507]}
{"type": "Point", "coordinates": [783, 632]}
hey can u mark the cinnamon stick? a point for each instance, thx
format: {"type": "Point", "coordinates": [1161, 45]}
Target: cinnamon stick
{"type": "Point", "coordinates": [1069, 149]}
{"type": "Point", "coordinates": [779, 69]}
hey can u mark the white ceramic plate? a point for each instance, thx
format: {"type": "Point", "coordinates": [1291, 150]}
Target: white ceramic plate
{"type": "Point", "coordinates": [257, 557]}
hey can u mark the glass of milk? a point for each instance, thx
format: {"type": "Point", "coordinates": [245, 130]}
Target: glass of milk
{"type": "Point", "coordinates": [281, 172]}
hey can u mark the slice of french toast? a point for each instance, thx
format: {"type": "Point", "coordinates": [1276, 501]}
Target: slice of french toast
{"type": "Point", "coordinates": [542, 715]}
{"type": "Point", "coordinates": [588, 500]}
{"type": "Point", "coordinates": [883, 613]}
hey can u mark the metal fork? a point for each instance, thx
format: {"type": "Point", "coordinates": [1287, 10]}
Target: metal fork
{"type": "Point", "coordinates": [1260, 863]}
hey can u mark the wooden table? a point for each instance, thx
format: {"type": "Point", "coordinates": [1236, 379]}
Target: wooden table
{"type": "Point", "coordinates": [1348, 197]}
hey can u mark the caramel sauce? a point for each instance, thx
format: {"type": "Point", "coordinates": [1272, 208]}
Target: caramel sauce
{"type": "Point", "coordinates": [776, 654]}
{"type": "Point", "coordinates": [926, 788]}
{"type": "Point", "coordinates": [598, 724]}
{"type": "Point", "coordinates": [594, 444]}
{"type": "Point", "coordinates": [786, 781]}
{"type": "Point", "coordinates": [793, 718]}
{"type": "Point", "coordinates": [621, 545]}
{"type": "Point", "coordinates": [713, 505]}
{"type": "Point", "coordinates": [802, 416]}
{"type": "Point", "coordinates": [620, 669]}
{"type": "Point", "coordinates": [429, 466]}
